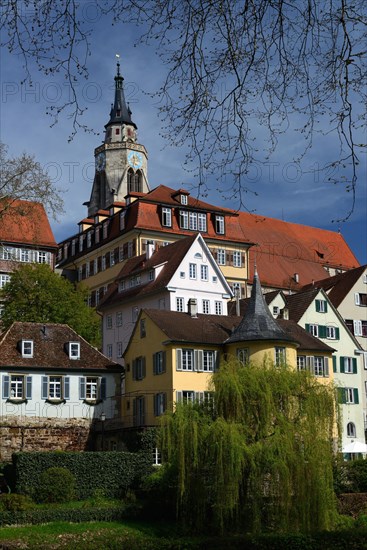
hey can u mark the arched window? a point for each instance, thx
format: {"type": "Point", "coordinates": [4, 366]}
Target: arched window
{"type": "Point", "coordinates": [134, 180]}
{"type": "Point", "coordinates": [351, 429]}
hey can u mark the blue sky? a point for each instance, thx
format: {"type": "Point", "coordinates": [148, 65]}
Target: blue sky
{"type": "Point", "coordinates": [285, 190]}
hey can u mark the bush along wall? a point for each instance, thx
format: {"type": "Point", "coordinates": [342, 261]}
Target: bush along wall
{"type": "Point", "coordinates": [111, 473]}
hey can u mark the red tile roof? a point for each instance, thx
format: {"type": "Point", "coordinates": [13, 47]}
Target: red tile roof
{"type": "Point", "coordinates": [26, 222]}
{"type": "Point", "coordinates": [283, 249]}
{"type": "Point", "coordinates": [49, 341]}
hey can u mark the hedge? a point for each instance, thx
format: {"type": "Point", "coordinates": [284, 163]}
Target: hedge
{"type": "Point", "coordinates": [37, 516]}
{"type": "Point", "coordinates": [113, 473]}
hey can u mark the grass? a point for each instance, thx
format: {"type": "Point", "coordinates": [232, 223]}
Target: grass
{"type": "Point", "coordinates": [60, 535]}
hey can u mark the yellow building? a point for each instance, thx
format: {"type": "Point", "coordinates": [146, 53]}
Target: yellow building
{"type": "Point", "coordinates": [171, 356]}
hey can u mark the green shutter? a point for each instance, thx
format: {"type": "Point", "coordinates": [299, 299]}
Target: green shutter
{"type": "Point", "coordinates": [307, 326]}
{"type": "Point", "coordinates": [6, 386]}
{"type": "Point", "coordinates": [354, 361]}
{"type": "Point", "coordinates": [28, 387]}
{"type": "Point", "coordinates": [334, 363]}
{"type": "Point", "coordinates": [318, 305]}
{"type": "Point", "coordinates": [341, 395]}
{"type": "Point", "coordinates": [322, 331]}
{"type": "Point", "coordinates": [337, 333]}
{"type": "Point", "coordinates": [163, 361]}
{"type": "Point", "coordinates": [342, 364]}
{"type": "Point", "coordinates": [325, 306]}
{"type": "Point", "coordinates": [356, 398]}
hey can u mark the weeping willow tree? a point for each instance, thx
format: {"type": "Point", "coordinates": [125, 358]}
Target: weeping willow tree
{"type": "Point", "coordinates": [261, 457]}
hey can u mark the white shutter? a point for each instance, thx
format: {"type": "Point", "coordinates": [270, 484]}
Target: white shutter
{"type": "Point", "coordinates": [199, 357]}
{"type": "Point", "coordinates": [310, 364]}
{"type": "Point", "coordinates": [178, 359]}
{"type": "Point", "coordinates": [178, 396]}
{"type": "Point", "coordinates": [356, 299]}
{"type": "Point", "coordinates": [357, 328]}
{"type": "Point", "coordinates": [326, 367]}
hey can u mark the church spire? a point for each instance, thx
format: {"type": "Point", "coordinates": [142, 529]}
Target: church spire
{"type": "Point", "coordinates": [120, 110]}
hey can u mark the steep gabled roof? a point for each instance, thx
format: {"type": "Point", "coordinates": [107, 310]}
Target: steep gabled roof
{"type": "Point", "coordinates": [306, 341]}
{"type": "Point", "coordinates": [50, 349]}
{"type": "Point", "coordinates": [171, 256]}
{"type": "Point", "coordinates": [257, 322]}
{"type": "Point", "coordinates": [298, 303]}
{"type": "Point", "coordinates": [338, 286]}
{"type": "Point", "coordinates": [25, 222]}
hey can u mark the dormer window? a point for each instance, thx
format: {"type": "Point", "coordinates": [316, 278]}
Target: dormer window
{"type": "Point", "coordinates": [121, 286]}
{"type": "Point", "coordinates": [105, 230]}
{"type": "Point", "coordinates": [74, 350]}
{"type": "Point", "coordinates": [122, 219]}
{"type": "Point", "coordinates": [166, 217]}
{"type": "Point", "coordinates": [81, 238]}
{"type": "Point", "coordinates": [184, 199]}
{"type": "Point", "coordinates": [27, 348]}
{"type": "Point", "coordinates": [219, 225]}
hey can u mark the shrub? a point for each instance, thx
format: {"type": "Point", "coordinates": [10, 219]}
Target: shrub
{"type": "Point", "coordinates": [357, 473]}
{"type": "Point", "coordinates": [56, 485]}
{"type": "Point", "coordinates": [15, 503]}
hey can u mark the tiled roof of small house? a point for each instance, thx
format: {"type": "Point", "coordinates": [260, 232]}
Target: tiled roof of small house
{"type": "Point", "coordinates": [216, 329]}
{"type": "Point", "coordinates": [257, 322]}
{"type": "Point", "coordinates": [50, 351]}
{"type": "Point", "coordinates": [338, 286]}
{"type": "Point", "coordinates": [25, 222]}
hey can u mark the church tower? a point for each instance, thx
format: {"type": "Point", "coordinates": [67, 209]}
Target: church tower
{"type": "Point", "coordinates": [120, 162]}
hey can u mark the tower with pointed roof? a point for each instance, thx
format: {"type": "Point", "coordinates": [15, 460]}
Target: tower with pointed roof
{"type": "Point", "coordinates": [120, 162]}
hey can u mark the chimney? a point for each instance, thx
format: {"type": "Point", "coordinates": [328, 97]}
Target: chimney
{"type": "Point", "coordinates": [149, 250]}
{"type": "Point", "coordinates": [193, 308]}
{"type": "Point", "coordinates": [285, 313]}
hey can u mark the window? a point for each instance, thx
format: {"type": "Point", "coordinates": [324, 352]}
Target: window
{"type": "Point", "coordinates": [331, 333]}
{"type": "Point", "coordinates": [43, 258]}
{"type": "Point", "coordinates": [159, 362]}
{"type": "Point", "coordinates": [185, 396]}
{"type": "Point", "coordinates": [112, 258]}
{"type": "Point", "coordinates": [27, 348]}
{"type": "Point", "coordinates": [192, 271]}
{"type": "Point", "coordinates": [89, 239]}
{"type": "Point", "coordinates": [202, 223]}
{"type": "Point", "coordinates": [105, 230]}
{"type": "Point", "coordinates": [109, 351]}
{"type": "Point", "coordinates": [321, 306]}
{"type": "Point", "coordinates": [121, 286]}
{"type": "Point", "coordinates": [185, 359]}
{"type": "Point", "coordinates": [151, 275]}
{"type": "Point", "coordinates": [139, 368]}
{"type": "Point", "coordinates": [109, 321]}
{"type": "Point", "coordinates": [97, 296]}
{"type": "Point", "coordinates": [193, 221]}
{"type": "Point", "coordinates": [206, 306]}
{"type": "Point", "coordinates": [97, 234]}
{"type": "Point", "coordinates": [74, 350]}
{"type": "Point", "coordinates": [280, 356]}
{"type": "Point", "coordinates": [95, 266]}
{"type": "Point", "coordinates": [24, 256]}
{"type": "Point", "coordinates": [122, 219]}
{"type": "Point", "coordinates": [351, 396]}
{"type": "Point", "coordinates": [351, 429]}
{"type": "Point", "coordinates": [301, 362]}
{"type": "Point", "coordinates": [318, 365]}
{"type": "Point", "coordinates": [208, 362]}
{"type": "Point", "coordinates": [119, 319]}
{"type": "Point", "coordinates": [219, 225]}
{"type": "Point", "coordinates": [143, 332]}
{"type": "Point", "coordinates": [81, 239]}
{"type": "Point", "coordinates": [204, 272]}
{"type": "Point", "coordinates": [314, 330]}
{"type": "Point", "coordinates": [119, 349]}
{"type": "Point", "coordinates": [184, 219]}
{"type": "Point", "coordinates": [179, 304]}
{"type": "Point", "coordinates": [92, 388]}
{"type": "Point", "coordinates": [348, 365]}
{"type": "Point", "coordinates": [360, 299]}
{"type": "Point", "coordinates": [160, 403]}
{"type": "Point", "coordinates": [183, 199]}
{"type": "Point", "coordinates": [218, 308]}
{"type": "Point", "coordinates": [166, 217]}
{"type": "Point", "coordinates": [103, 263]}
{"type": "Point", "coordinates": [87, 269]}
{"type": "Point", "coordinates": [55, 388]}
{"type": "Point", "coordinates": [236, 289]}
{"type": "Point", "coordinates": [17, 387]}
{"type": "Point", "coordinates": [3, 280]}
{"type": "Point", "coordinates": [357, 327]}
{"type": "Point", "coordinates": [134, 314]}
{"type": "Point", "coordinates": [221, 256]}
{"type": "Point", "coordinates": [237, 258]}
{"type": "Point", "coordinates": [243, 355]}
{"type": "Point", "coordinates": [130, 249]}
{"type": "Point", "coordinates": [276, 311]}
{"type": "Point", "coordinates": [139, 411]}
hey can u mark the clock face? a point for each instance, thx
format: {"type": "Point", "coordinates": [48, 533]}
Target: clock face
{"type": "Point", "coordinates": [100, 162]}
{"type": "Point", "coordinates": [135, 159]}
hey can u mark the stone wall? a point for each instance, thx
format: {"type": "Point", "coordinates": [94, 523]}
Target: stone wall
{"type": "Point", "coordinates": [44, 434]}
